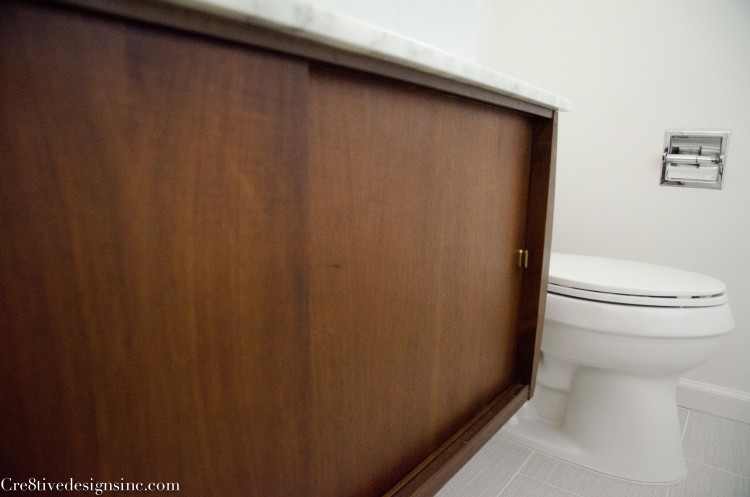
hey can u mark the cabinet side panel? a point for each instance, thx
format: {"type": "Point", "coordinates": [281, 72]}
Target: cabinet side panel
{"type": "Point", "coordinates": [152, 267]}
{"type": "Point", "coordinates": [417, 204]}
{"type": "Point", "coordinates": [538, 241]}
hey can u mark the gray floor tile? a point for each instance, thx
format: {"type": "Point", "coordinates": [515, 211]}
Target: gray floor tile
{"type": "Point", "coordinates": [717, 449]}
{"type": "Point", "coordinates": [586, 483]}
{"type": "Point", "coordinates": [704, 481]}
{"type": "Point", "coordinates": [718, 442]}
{"type": "Point", "coordinates": [523, 486]}
{"type": "Point", "coordinates": [489, 471]}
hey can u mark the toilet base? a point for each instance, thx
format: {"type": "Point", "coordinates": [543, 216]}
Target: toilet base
{"type": "Point", "coordinates": [619, 424]}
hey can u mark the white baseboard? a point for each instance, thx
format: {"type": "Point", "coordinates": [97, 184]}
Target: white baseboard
{"type": "Point", "coordinates": [713, 399]}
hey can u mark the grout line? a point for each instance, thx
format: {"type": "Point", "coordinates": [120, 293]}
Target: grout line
{"type": "Point", "coordinates": [687, 420]}
{"type": "Point", "coordinates": [552, 485]}
{"type": "Point", "coordinates": [517, 472]}
{"type": "Point", "coordinates": [527, 460]}
{"type": "Point", "coordinates": [719, 469]}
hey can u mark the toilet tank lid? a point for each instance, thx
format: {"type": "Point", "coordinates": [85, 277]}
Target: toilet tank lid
{"type": "Point", "coordinates": [602, 277]}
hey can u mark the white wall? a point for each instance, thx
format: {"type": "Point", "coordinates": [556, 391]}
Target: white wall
{"type": "Point", "coordinates": [634, 69]}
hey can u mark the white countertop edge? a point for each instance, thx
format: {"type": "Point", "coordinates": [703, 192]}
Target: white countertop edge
{"type": "Point", "coordinates": [330, 28]}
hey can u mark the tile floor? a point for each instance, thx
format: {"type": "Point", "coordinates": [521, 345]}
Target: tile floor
{"type": "Point", "coordinates": [717, 452]}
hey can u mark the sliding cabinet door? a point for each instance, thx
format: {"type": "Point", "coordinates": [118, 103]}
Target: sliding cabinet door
{"type": "Point", "coordinates": [152, 273]}
{"type": "Point", "coordinates": [417, 205]}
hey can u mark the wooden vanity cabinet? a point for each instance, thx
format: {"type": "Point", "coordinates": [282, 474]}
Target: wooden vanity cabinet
{"type": "Point", "coordinates": [254, 265]}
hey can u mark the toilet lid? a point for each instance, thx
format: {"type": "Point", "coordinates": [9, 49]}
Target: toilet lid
{"type": "Point", "coordinates": [627, 282]}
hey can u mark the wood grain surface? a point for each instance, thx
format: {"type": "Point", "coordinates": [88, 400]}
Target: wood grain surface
{"type": "Point", "coordinates": [417, 205]}
{"type": "Point", "coordinates": [152, 264]}
{"type": "Point", "coordinates": [251, 273]}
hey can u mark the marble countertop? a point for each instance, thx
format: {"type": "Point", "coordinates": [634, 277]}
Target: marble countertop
{"type": "Point", "coordinates": [309, 21]}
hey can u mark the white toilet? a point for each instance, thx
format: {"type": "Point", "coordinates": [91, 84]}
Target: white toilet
{"type": "Point", "coordinates": [617, 336]}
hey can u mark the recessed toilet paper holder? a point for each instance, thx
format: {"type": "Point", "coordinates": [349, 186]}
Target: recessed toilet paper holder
{"type": "Point", "coordinates": [694, 159]}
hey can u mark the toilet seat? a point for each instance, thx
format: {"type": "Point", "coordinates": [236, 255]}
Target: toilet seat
{"type": "Point", "coordinates": [616, 281]}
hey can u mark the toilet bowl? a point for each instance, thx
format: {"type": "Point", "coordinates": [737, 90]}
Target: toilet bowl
{"type": "Point", "coordinates": [617, 336]}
